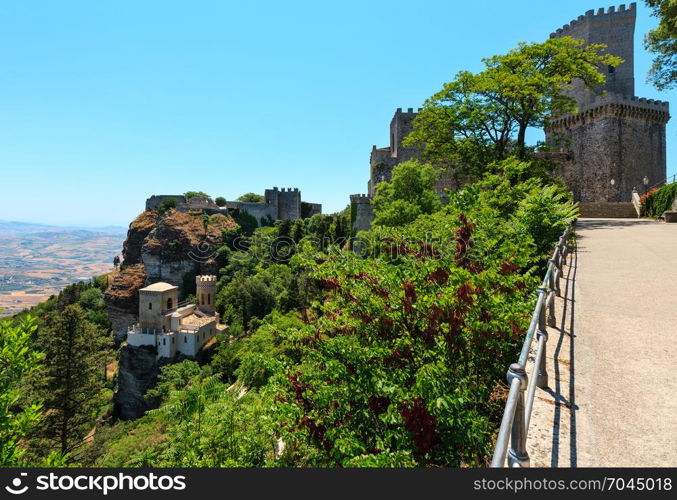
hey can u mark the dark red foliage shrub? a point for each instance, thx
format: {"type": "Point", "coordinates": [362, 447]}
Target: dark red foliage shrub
{"type": "Point", "coordinates": [421, 424]}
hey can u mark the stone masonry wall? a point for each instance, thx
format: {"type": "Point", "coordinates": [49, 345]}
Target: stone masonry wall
{"type": "Point", "coordinates": [614, 28]}
{"type": "Point", "coordinates": [617, 143]}
{"type": "Point", "coordinates": [362, 213]}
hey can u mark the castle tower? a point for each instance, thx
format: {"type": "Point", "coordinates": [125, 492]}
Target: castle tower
{"type": "Point", "coordinates": [289, 204]}
{"type": "Point", "coordinates": [614, 28]}
{"type": "Point", "coordinates": [616, 141]}
{"type": "Point", "coordinates": [361, 212]}
{"type": "Point", "coordinates": [383, 160]}
{"type": "Point", "coordinates": [154, 302]}
{"type": "Point", "coordinates": [205, 292]}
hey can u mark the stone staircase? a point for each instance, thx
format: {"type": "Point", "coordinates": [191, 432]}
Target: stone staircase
{"type": "Point", "coordinates": [608, 210]}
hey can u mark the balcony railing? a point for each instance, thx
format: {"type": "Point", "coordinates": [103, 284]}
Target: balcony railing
{"type": "Point", "coordinates": [514, 428]}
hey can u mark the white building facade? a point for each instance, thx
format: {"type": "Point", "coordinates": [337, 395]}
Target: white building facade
{"type": "Point", "coordinates": [174, 328]}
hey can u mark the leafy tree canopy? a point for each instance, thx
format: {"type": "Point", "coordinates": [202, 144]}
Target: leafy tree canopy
{"type": "Point", "coordinates": [196, 194]}
{"type": "Point", "coordinates": [167, 204]}
{"type": "Point", "coordinates": [251, 197]}
{"type": "Point", "coordinates": [18, 358]}
{"type": "Point", "coordinates": [410, 194]}
{"type": "Point", "coordinates": [479, 118]}
{"type": "Point", "coordinates": [662, 42]}
{"type": "Point", "coordinates": [220, 201]}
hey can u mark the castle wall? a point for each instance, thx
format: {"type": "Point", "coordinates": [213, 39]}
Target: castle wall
{"type": "Point", "coordinates": [637, 150]}
{"type": "Point", "coordinates": [153, 202]}
{"type": "Point", "coordinates": [614, 28]}
{"type": "Point", "coordinates": [167, 345]}
{"type": "Point", "coordinates": [206, 292]}
{"type": "Point", "coordinates": [362, 214]}
{"type": "Point", "coordinates": [257, 210]}
{"type": "Point", "coordinates": [278, 205]}
{"type": "Point", "coordinates": [289, 204]}
{"type": "Point", "coordinates": [383, 160]}
{"type": "Point", "coordinates": [153, 305]}
{"type": "Point", "coordinates": [615, 140]}
{"type": "Point", "coordinates": [310, 209]}
{"type": "Point", "coordinates": [189, 343]}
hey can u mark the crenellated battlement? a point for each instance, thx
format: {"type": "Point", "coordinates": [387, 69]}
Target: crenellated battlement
{"type": "Point", "coordinates": [206, 279]}
{"type": "Point", "coordinates": [616, 106]}
{"type": "Point", "coordinates": [590, 16]}
{"type": "Point", "coordinates": [360, 198]}
{"type": "Point", "coordinates": [642, 102]}
{"type": "Point", "coordinates": [409, 111]}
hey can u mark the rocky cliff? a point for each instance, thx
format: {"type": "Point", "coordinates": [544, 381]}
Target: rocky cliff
{"type": "Point", "coordinates": [138, 371]}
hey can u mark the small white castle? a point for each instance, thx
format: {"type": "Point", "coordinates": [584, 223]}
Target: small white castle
{"type": "Point", "coordinates": [172, 327]}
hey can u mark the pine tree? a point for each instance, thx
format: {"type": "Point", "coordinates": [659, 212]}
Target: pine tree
{"type": "Point", "coordinates": [76, 352]}
{"type": "Point", "coordinates": [18, 359]}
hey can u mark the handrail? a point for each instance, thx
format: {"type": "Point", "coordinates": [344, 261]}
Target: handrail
{"type": "Point", "coordinates": [517, 414]}
{"type": "Point", "coordinates": [664, 182]}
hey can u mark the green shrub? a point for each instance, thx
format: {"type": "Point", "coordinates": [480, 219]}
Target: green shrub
{"type": "Point", "coordinates": [660, 200]}
{"type": "Point", "coordinates": [167, 204]}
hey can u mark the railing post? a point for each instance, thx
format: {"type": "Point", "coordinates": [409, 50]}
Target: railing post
{"type": "Point", "coordinates": [518, 456]}
{"type": "Point", "coordinates": [542, 373]}
{"type": "Point", "coordinates": [554, 276]}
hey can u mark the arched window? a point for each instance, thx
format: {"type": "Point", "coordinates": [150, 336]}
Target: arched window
{"type": "Point", "coordinates": [150, 305]}
{"type": "Point", "coordinates": [169, 303]}
{"type": "Point", "coordinates": [164, 341]}
{"type": "Point", "coordinates": [209, 298]}
{"type": "Point", "coordinates": [185, 339]}
{"type": "Point", "coordinates": [202, 299]}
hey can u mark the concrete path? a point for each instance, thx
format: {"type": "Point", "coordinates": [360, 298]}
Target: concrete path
{"type": "Point", "coordinates": [612, 361]}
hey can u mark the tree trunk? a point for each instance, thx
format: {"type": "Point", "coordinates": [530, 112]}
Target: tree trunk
{"type": "Point", "coordinates": [521, 139]}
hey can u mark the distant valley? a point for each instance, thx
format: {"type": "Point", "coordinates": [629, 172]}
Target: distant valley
{"type": "Point", "coordinates": [37, 260]}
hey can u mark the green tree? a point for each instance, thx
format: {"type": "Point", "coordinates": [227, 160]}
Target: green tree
{"type": "Point", "coordinates": [18, 359]}
{"type": "Point", "coordinates": [410, 193]}
{"type": "Point", "coordinates": [220, 201]}
{"type": "Point", "coordinates": [246, 297]}
{"type": "Point", "coordinates": [479, 118]}
{"type": "Point", "coordinates": [167, 204]}
{"type": "Point", "coordinates": [196, 194]}
{"type": "Point", "coordinates": [174, 377]}
{"type": "Point", "coordinates": [190, 402]}
{"type": "Point", "coordinates": [251, 198]}
{"type": "Point", "coordinates": [662, 42]}
{"type": "Point", "coordinates": [91, 299]}
{"type": "Point", "coordinates": [76, 352]}
{"type": "Point", "coordinates": [400, 360]}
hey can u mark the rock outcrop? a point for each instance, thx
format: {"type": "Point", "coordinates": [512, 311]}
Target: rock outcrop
{"type": "Point", "coordinates": [137, 372]}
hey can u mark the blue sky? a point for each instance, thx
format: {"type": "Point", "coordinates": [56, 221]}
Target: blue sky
{"type": "Point", "coordinates": [105, 103]}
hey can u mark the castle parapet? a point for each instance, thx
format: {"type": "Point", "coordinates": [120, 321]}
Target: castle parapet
{"type": "Point", "coordinates": [360, 198]}
{"type": "Point", "coordinates": [617, 105]}
{"type": "Point", "coordinates": [591, 17]}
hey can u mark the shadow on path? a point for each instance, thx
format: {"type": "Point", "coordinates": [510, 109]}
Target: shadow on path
{"type": "Point", "coordinates": [568, 307]}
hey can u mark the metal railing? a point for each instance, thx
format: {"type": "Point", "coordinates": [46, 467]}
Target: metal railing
{"type": "Point", "coordinates": [665, 182]}
{"type": "Point", "coordinates": [515, 423]}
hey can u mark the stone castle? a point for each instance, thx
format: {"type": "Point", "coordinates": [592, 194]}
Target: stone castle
{"type": "Point", "coordinates": [278, 204]}
{"type": "Point", "coordinates": [615, 143]}
{"type": "Point", "coordinates": [174, 328]}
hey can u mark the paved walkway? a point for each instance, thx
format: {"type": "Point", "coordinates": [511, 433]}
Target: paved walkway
{"type": "Point", "coordinates": [612, 361]}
